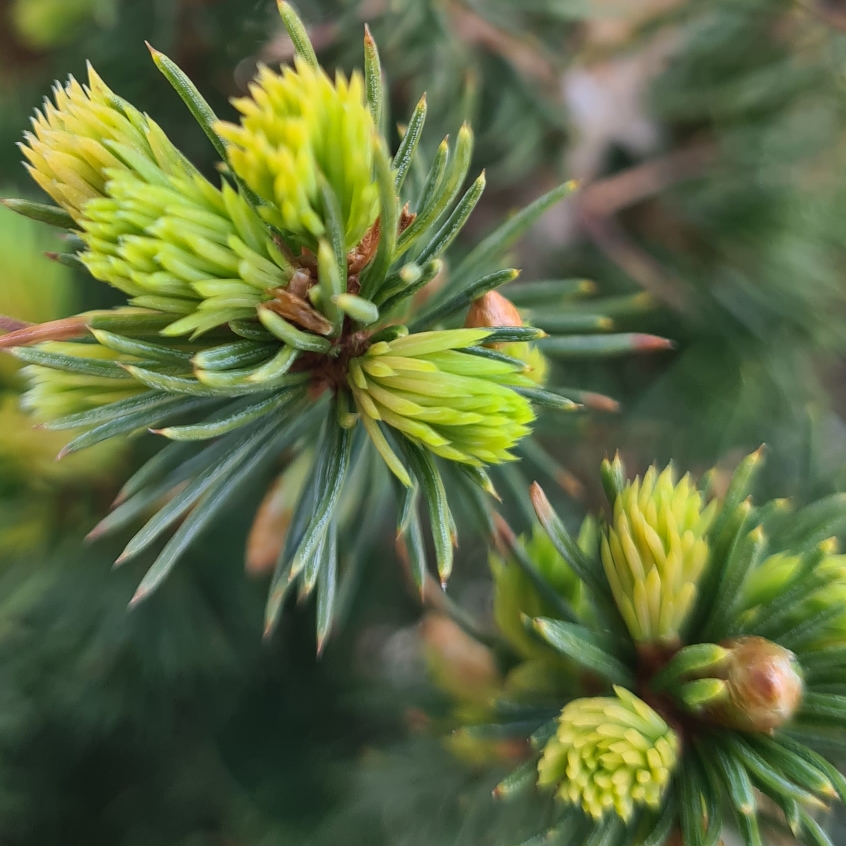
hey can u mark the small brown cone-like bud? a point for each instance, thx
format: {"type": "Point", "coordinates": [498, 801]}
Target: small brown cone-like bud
{"type": "Point", "coordinates": [764, 685]}
{"type": "Point", "coordinates": [492, 309]}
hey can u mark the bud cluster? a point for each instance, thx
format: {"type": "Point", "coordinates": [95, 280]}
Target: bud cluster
{"type": "Point", "coordinates": [655, 550]}
{"type": "Point", "coordinates": [87, 132]}
{"type": "Point", "coordinates": [610, 754]}
{"type": "Point", "coordinates": [459, 405]}
{"type": "Point", "coordinates": [273, 313]}
{"type": "Point", "coordinates": [287, 150]}
{"type": "Point", "coordinates": [694, 646]}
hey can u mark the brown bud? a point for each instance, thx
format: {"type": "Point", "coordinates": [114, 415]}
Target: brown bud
{"type": "Point", "coordinates": [492, 309]}
{"type": "Point", "coordinates": [764, 683]}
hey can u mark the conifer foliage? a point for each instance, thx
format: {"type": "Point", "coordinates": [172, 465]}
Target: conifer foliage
{"type": "Point", "coordinates": [714, 636]}
{"type": "Point", "coordinates": [305, 304]}
{"type": "Point", "coordinates": [671, 675]}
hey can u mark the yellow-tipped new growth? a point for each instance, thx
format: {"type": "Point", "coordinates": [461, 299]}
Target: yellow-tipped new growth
{"type": "Point", "coordinates": [88, 132]}
{"type": "Point", "coordinates": [54, 393]}
{"type": "Point", "coordinates": [655, 550]}
{"type": "Point", "coordinates": [609, 755]}
{"type": "Point", "coordinates": [460, 406]}
{"type": "Point", "coordinates": [301, 136]}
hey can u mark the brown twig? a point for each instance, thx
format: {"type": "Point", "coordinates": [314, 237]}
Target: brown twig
{"type": "Point", "coordinates": [528, 56]}
{"type": "Point", "coordinates": [56, 330]}
{"type": "Point", "coordinates": [635, 184]}
{"type": "Point", "coordinates": [599, 202]}
{"type": "Point", "coordinates": [621, 249]}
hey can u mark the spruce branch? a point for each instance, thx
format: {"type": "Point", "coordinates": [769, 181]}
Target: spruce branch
{"type": "Point", "coordinates": [271, 314]}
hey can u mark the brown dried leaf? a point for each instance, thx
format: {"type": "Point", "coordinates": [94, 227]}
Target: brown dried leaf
{"type": "Point", "coordinates": [298, 311]}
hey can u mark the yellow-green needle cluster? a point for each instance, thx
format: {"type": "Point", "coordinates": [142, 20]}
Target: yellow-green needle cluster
{"type": "Point", "coordinates": [610, 755]}
{"type": "Point", "coordinates": [181, 246]}
{"type": "Point", "coordinates": [516, 597]}
{"type": "Point", "coordinates": [458, 405]}
{"type": "Point", "coordinates": [299, 135]}
{"type": "Point", "coordinates": [740, 693]}
{"type": "Point", "coordinates": [153, 227]}
{"type": "Point", "coordinates": [273, 313]}
{"type": "Point", "coordinates": [654, 552]}
{"type": "Point", "coordinates": [88, 131]}
{"type": "Point", "coordinates": [781, 573]}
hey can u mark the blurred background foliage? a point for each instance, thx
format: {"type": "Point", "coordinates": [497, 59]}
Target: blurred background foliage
{"type": "Point", "coordinates": [710, 140]}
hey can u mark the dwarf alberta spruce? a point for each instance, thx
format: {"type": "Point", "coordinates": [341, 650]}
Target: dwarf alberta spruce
{"type": "Point", "coordinates": [672, 733]}
{"type": "Point", "coordinates": [301, 308]}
